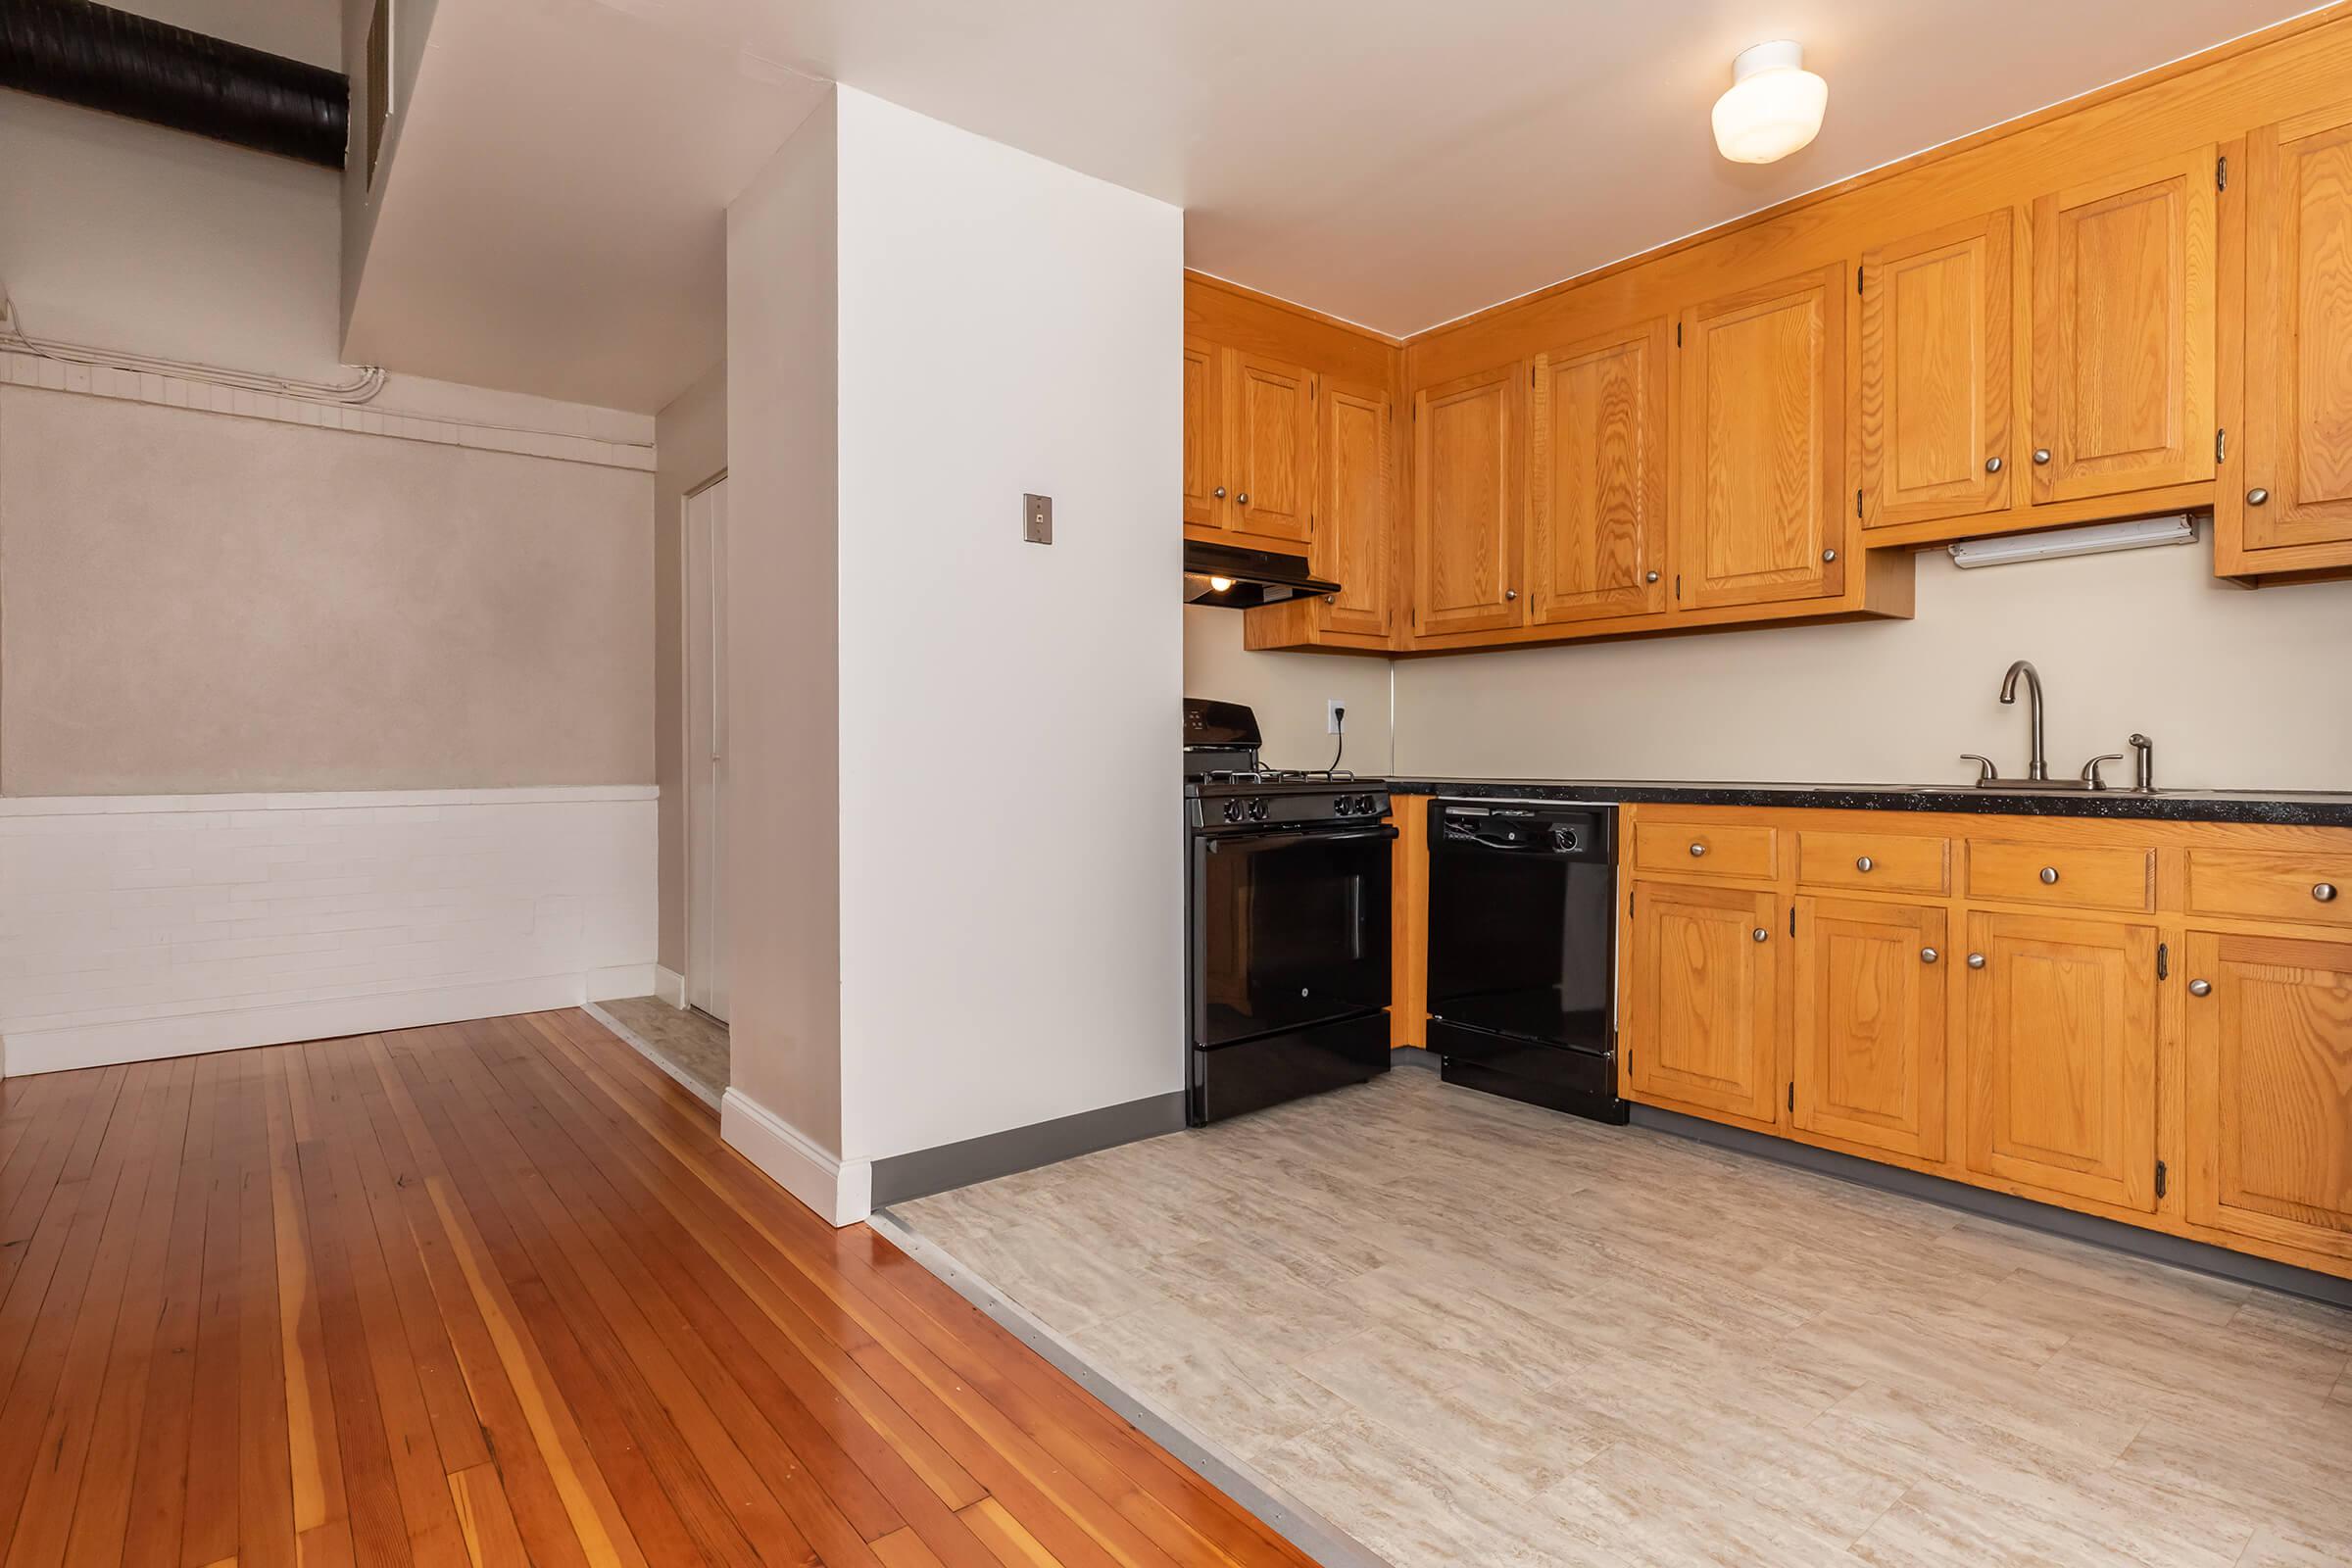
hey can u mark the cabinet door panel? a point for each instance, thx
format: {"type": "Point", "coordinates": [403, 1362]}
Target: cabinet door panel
{"type": "Point", "coordinates": [2062, 1056]}
{"type": "Point", "coordinates": [1759, 494]}
{"type": "Point", "coordinates": [1468, 528]}
{"type": "Point", "coordinates": [1870, 1024]}
{"type": "Point", "coordinates": [1273, 448]}
{"type": "Point", "coordinates": [1705, 999]}
{"type": "Point", "coordinates": [1937, 319]}
{"type": "Point", "coordinates": [2299, 332]}
{"type": "Point", "coordinates": [2124, 331]}
{"type": "Point", "coordinates": [1204, 434]}
{"type": "Point", "coordinates": [1597, 518]}
{"type": "Point", "coordinates": [2269, 1090]}
{"type": "Point", "coordinates": [1352, 546]}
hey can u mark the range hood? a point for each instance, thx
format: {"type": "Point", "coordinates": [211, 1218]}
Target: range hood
{"type": "Point", "coordinates": [1251, 578]}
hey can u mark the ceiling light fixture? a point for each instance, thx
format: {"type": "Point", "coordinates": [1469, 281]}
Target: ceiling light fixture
{"type": "Point", "coordinates": [1772, 106]}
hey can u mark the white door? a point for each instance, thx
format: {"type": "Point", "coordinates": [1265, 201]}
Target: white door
{"type": "Point", "coordinates": [707, 747]}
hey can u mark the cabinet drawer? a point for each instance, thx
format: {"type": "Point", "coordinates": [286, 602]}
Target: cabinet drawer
{"type": "Point", "coordinates": [2268, 885]}
{"type": "Point", "coordinates": [1889, 863]}
{"type": "Point", "coordinates": [1708, 848]}
{"type": "Point", "coordinates": [2082, 876]}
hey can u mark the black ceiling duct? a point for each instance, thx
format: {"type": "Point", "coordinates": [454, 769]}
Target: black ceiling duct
{"type": "Point", "coordinates": [101, 58]}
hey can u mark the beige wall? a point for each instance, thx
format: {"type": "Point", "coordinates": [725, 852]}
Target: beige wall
{"type": "Point", "coordinates": [691, 435]}
{"type": "Point", "coordinates": [2237, 688]}
{"type": "Point", "coordinates": [1288, 692]}
{"type": "Point", "coordinates": [783, 802]}
{"type": "Point", "coordinates": [191, 602]}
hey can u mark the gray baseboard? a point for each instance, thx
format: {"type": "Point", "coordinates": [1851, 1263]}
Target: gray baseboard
{"type": "Point", "coordinates": [903, 1177]}
{"type": "Point", "coordinates": [2113, 1234]}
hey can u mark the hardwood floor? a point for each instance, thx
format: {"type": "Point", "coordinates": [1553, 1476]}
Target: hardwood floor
{"type": "Point", "coordinates": [496, 1294]}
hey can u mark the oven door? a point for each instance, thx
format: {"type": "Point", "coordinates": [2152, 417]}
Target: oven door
{"type": "Point", "coordinates": [1288, 929]}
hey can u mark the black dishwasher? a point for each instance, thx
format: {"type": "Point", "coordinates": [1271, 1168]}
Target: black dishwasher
{"type": "Point", "coordinates": [1522, 952]}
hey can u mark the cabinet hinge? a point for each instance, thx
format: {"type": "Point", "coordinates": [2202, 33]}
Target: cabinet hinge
{"type": "Point", "coordinates": [2221, 174]}
{"type": "Point", "coordinates": [1677, 334]}
{"type": "Point", "coordinates": [1857, 503]}
{"type": "Point", "coordinates": [1792, 1095]}
{"type": "Point", "coordinates": [2164, 960]}
{"type": "Point", "coordinates": [2160, 1179]}
{"type": "Point", "coordinates": [1857, 280]}
{"type": "Point", "coordinates": [1678, 585]}
{"type": "Point", "coordinates": [2220, 445]}
{"type": "Point", "coordinates": [1793, 920]}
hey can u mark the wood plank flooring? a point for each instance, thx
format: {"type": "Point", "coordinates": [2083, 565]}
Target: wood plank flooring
{"type": "Point", "coordinates": [1465, 1331]}
{"type": "Point", "coordinates": [495, 1293]}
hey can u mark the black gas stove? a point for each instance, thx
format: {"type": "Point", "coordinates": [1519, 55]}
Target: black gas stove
{"type": "Point", "coordinates": [1286, 931]}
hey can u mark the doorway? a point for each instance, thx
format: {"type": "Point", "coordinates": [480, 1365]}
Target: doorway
{"type": "Point", "coordinates": [705, 530]}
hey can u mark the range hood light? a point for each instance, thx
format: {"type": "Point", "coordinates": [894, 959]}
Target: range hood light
{"type": "Point", "coordinates": [1220, 584]}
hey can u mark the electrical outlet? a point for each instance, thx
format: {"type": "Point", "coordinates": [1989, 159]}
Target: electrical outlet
{"type": "Point", "coordinates": [1335, 716]}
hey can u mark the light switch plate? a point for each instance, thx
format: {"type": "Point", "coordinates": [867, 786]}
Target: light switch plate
{"type": "Point", "coordinates": [1037, 520]}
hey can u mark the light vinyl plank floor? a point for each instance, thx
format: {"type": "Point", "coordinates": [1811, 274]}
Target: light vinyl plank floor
{"type": "Point", "coordinates": [1469, 1331]}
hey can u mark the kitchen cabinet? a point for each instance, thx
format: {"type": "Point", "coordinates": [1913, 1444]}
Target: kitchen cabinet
{"type": "Point", "coordinates": [1596, 533]}
{"type": "Point", "coordinates": [1270, 447]}
{"type": "Point", "coordinates": [1469, 453]}
{"type": "Point", "coordinates": [2290, 507]}
{"type": "Point", "coordinates": [1354, 519]}
{"type": "Point", "coordinates": [1702, 992]}
{"type": "Point", "coordinates": [1759, 513]}
{"type": "Point", "coordinates": [2124, 331]}
{"type": "Point", "coordinates": [2062, 1056]}
{"type": "Point", "coordinates": [1935, 390]}
{"type": "Point", "coordinates": [1203, 435]}
{"type": "Point", "coordinates": [1870, 1019]}
{"type": "Point", "coordinates": [2270, 1087]}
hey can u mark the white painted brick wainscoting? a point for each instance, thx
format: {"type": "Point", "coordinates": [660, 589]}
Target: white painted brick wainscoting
{"type": "Point", "coordinates": [141, 926]}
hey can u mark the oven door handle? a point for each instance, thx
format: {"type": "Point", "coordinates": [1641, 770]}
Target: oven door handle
{"type": "Point", "coordinates": [1283, 841]}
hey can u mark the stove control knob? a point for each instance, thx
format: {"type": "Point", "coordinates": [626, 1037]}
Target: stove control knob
{"type": "Point", "coordinates": [1233, 809]}
{"type": "Point", "coordinates": [1257, 810]}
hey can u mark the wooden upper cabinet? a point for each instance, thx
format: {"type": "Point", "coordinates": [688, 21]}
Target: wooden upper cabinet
{"type": "Point", "coordinates": [1870, 1024]}
{"type": "Point", "coordinates": [1468, 525]}
{"type": "Point", "coordinates": [1352, 545]}
{"type": "Point", "coordinates": [1271, 448]}
{"type": "Point", "coordinates": [2298, 336]}
{"type": "Point", "coordinates": [1596, 530]}
{"type": "Point", "coordinates": [1203, 435]}
{"type": "Point", "coordinates": [1937, 322]}
{"type": "Point", "coordinates": [2269, 1089]}
{"type": "Point", "coordinates": [2062, 1056]}
{"type": "Point", "coordinates": [1760, 494]}
{"type": "Point", "coordinates": [2124, 321]}
{"type": "Point", "coordinates": [1702, 995]}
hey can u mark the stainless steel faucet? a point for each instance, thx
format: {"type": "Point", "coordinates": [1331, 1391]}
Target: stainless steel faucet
{"type": "Point", "coordinates": [2039, 768]}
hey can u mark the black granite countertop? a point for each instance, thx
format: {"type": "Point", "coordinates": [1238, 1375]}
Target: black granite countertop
{"type": "Point", "coordinates": [2289, 809]}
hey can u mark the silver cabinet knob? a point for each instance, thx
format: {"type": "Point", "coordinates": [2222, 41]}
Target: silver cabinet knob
{"type": "Point", "coordinates": [1510, 593]}
{"type": "Point", "coordinates": [2200, 988]}
{"type": "Point", "coordinates": [2325, 893]}
{"type": "Point", "coordinates": [1220, 491]}
{"type": "Point", "coordinates": [1697, 850]}
{"type": "Point", "coordinates": [1864, 864]}
{"type": "Point", "coordinates": [2049, 875]}
{"type": "Point", "coordinates": [1760, 934]}
{"type": "Point", "coordinates": [1976, 960]}
{"type": "Point", "coordinates": [1649, 577]}
{"type": "Point", "coordinates": [2042, 453]}
{"type": "Point", "coordinates": [1929, 954]}
{"type": "Point", "coordinates": [1829, 555]}
{"type": "Point", "coordinates": [2257, 496]}
{"type": "Point", "coordinates": [1992, 465]}
{"type": "Point", "coordinates": [1242, 498]}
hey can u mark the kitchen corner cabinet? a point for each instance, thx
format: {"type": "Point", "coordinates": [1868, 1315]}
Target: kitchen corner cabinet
{"type": "Point", "coordinates": [2286, 506]}
{"type": "Point", "coordinates": [2158, 1033]}
{"type": "Point", "coordinates": [1762, 472]}
{"type": "Point", "coordinates": [1355, 517]}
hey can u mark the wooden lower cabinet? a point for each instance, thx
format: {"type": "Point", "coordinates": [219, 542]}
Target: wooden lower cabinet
{"type": "Point", "coordinates": [2269, 1039]}
{"type": "Point", "coordinates": [1870, 1001]}
{"type": "Point", "coordinates": [1703, 1000]}
{"type": "Point", "coordinates": [2062, 1056]}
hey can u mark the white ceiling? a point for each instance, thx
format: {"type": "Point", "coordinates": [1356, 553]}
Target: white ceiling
{"type": "Point", "coordinates": [1397, 162]}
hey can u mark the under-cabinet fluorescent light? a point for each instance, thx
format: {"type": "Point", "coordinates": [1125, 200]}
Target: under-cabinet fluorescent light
{"type": "Point", "coordinates": [2099, 539]}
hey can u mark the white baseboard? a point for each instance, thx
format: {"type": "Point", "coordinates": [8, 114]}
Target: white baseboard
{"type": "Point", "coordinates": [622, 980]}
{"type": "Point", "coordinates": [841, 1194]}
{"type": "Point", "coordinates": [669, 986]}
{"type": "Point", "coordinates": [103, 1045]}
